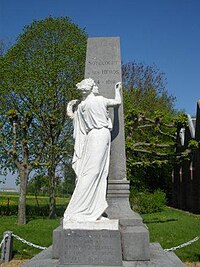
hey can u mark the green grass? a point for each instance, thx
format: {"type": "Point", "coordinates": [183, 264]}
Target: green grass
{"type": "Point", "coordinates": [173, 227]}
{"type": "Point", "coordinates": [38, 231]}
{"type": "Point", "coordinates": [170, 228]}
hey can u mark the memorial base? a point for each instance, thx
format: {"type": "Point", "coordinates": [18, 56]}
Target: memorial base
{"type": "Point", "coordinates": [101, 248]}
{"type": "Point", "coordinates": [134, 233]}
{"type": "Point", "coordinates": [158, 258]}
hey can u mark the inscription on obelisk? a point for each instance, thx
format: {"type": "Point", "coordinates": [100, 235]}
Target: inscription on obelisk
{"type": "Point", "coordinates": [103, 64]}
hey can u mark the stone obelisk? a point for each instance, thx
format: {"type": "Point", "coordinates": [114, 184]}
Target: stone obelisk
{"type": "Point", "coordinates": [103, 64]}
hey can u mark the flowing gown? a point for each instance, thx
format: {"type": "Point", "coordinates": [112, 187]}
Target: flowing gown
{"type": "Point", "coordinates": [91, 158]}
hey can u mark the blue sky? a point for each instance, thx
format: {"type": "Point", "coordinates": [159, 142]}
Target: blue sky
{"type": "Point", "coordinates": [164, 32]}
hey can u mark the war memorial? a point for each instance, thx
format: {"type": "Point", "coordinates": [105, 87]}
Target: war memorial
{"type": "Point", "coordinates": [99, 228]}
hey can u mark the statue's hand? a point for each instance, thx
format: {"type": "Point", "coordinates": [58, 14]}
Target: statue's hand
{"type": "Point", "coordinates": [73, 102]}
{"type": "Point", "coordinates": [118, 86]}
{"type": "Point", "coordinates": [71, 106]}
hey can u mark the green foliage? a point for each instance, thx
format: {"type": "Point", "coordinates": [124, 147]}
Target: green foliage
{"type": "Point", "coordinates": [38, 185]}
{"type": "Point", "coordinates": [38, 76]}
{"type": "Point", "coordinates": [35, 206]}
{"type": "Point", "coordinates": [32, 211]}
{"type": "Point", "coordinates": [152, 127]}
{"type": "Point", "coordinates": [193, 144]}
{"type": "Point", "coordinates": [65, 188]}
{"type": "Point", "coordinates": [181, 121]}
{"type": "Point", "coordinates": [147, 88]}
{"type": "Point", "coordinates": [146, 202]}
{"type": "Point", "coordinates": [3, 46]}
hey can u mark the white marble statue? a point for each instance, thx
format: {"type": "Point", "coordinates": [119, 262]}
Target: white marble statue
{"type": "Point", "coordinates": [92, 127]}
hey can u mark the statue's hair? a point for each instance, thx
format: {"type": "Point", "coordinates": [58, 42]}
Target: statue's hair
{"type": "Point", "coordinates": [86, 84]}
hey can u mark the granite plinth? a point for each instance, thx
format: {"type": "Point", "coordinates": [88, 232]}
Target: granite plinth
{"type": "Point", "coordinates": [135, 243]}
{"type": "Point", "coordinates": [134, 233]}
{"type": "Point", "coordinates": [158, 258]}
{"type": "Point", "coordinates": [90, 247]}
{"type": "Point", "coordinates": [98, 225]}
{"type": "Point", "coordinates": [56, 242]}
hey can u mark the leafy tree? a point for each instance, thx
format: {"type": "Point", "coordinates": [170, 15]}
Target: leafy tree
{"type": "Point", "coordinates": [38, 76]}
{"type": "Point", "coordinates": [3, 46]}
{"type": "Point", "coordinates": [38, 185]}
{"type": "Point", "coordinates": [3, 171]}
{"type": "Point", "coordinates": [151, 125]}
{"type": "Point", "coordinates": [68, 183]}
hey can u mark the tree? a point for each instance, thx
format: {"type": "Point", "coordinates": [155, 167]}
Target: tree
{"type": "Point", "coordinates": [38, 185]}
{"type": "Point", "coordinates": [3, 47]}
{"type": "Point", "coordinates": [151, 125]}
{"type": "Point", "coordinates": [38, 76]}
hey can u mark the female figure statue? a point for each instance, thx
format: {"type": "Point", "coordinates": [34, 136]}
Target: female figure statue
{"type": "Point", "coordinates": [92, 127]}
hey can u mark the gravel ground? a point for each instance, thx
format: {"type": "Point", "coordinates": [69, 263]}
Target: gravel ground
{"type": "Point", "coordinates": [13, 263]}
{"type": "Point", "coordinates": [19, 263]}
{"type": "Point", "coordinates": [192, 264]}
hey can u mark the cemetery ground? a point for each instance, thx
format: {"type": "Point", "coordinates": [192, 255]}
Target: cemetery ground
{"type": "Point", "coordinates": [170, 228]}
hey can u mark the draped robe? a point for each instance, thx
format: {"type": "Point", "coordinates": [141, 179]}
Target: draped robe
{"type": "Point", "coordinates": [91, 160]}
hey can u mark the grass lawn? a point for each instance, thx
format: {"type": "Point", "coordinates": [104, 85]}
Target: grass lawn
{"type": "Point", "coordinates": [38, 231]}
{"type": "Point", "coordinates": [173, 227]}
{"type": "Point", "coordinates": [170, 228]}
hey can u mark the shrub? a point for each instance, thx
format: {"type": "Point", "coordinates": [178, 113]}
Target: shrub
{"type": "Point", "coordinates": [31, 211]}
{"type": "Point", "coordinates": [34, 207]}
{"type": "Point", "coordinates": [146, 202]}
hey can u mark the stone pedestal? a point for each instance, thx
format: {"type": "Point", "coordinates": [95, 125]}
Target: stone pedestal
{"type": "Point", "coordinates": [98, 244]}
{"type": "Point", "coordinates": [134, 234]}
{"type": "Point", "coordinates": [90, 248]}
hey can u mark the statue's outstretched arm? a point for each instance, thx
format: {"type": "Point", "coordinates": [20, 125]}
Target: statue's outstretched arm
{"type": "Point", "coordinates": [117, 100]}
{"type": "Point", "coordinates": [70, 108]}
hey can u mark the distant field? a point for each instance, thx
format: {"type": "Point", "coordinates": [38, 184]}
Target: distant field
{"type": "Point", "coordinates": [30, 200]}
{"type": "Point", "coordinates": [34, 206]}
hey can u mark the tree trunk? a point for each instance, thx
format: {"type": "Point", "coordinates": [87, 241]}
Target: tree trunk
{"type": "Point", "coordinates": [22, 197]}
{"type": "Point", "coordinates": [52, 200]}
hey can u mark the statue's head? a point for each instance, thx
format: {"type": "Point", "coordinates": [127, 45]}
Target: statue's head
{"type": "Point", "coordinates": [87, 86]}
{"type": "Point", "coordinates": [95, 90]}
